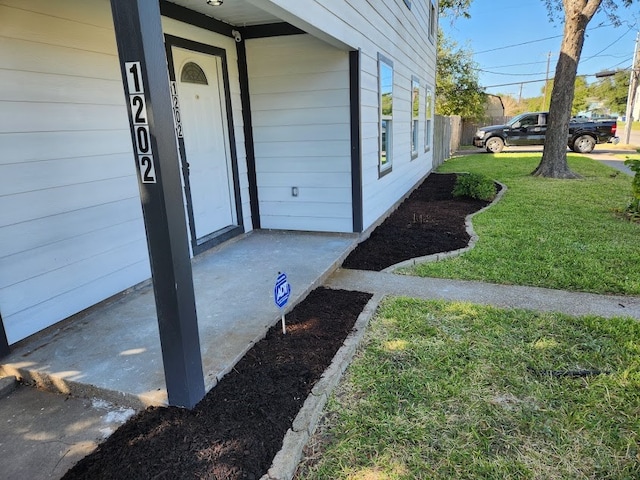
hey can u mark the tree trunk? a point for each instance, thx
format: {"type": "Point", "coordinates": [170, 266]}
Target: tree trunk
{"type": "Point", "coordinates": [577, 14]}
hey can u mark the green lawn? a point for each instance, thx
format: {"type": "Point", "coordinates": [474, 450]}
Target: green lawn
{"type": "Point", "coordinates": [628, 156]}
{"type": "Point", "coordinates": [459, 391]}
{"type": "Point", "coordinates": [562, 234]}
{"type": "Point", "coordinates": [634, 126]}
{"type": "Point", "coordinates": [443, 390]}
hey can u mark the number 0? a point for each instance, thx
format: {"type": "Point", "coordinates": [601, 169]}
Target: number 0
{"type": "Point", "coordinates": [142, 139]}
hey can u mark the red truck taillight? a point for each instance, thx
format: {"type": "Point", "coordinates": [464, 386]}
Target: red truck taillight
{"type": "Point", "coordinates": [614, 128]}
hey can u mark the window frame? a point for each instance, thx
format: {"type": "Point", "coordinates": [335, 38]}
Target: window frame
{"type": "Point", "coordinates": [433, 22]}
{"type": "Point", "coordinates": [414, 112]}
{"type": "Point", "coordinates": [428, 117]}
{"type": "Point", "coordinates": [387, 166]}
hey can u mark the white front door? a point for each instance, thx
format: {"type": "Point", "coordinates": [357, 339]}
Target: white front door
{"type": "Point", "coordinates": [206, 144]}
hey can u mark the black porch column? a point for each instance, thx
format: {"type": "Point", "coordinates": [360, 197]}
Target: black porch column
{"type": "Point", "coordinates": [144, 71]}
{"type": "Point", "coordinates": [4, 344]}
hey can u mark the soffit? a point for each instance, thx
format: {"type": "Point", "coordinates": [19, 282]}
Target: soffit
{"type": "Point", "coordinates": [239, 13]}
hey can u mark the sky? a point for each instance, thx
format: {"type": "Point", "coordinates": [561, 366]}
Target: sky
{"type": "Point", "coordinates": [524, 26]}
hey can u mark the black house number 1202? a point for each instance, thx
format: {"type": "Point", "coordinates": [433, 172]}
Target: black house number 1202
{"type": "Point", "coordinates": [139, 119]}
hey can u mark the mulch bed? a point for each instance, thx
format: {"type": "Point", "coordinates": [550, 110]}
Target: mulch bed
{"type": "Point", "coordinates": [236, 430]}
{"type": "Point", "coordinates": [431, 220]}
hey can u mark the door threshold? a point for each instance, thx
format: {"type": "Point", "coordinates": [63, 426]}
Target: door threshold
{"type": "Point", "coordinates": [216, 238]}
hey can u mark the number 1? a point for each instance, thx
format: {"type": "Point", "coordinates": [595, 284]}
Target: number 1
{"type": "Point", "coordinates": [134, 77]}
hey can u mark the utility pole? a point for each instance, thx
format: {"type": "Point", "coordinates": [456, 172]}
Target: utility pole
{"type": "Point", "coordinates": [520, 95]}
{"type": "Point", "coordinates": [546, 83]}
{"type": "Point", "coordinates": [633, 87]}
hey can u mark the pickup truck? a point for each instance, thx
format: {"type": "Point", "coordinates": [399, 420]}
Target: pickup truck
{"type": "Point", "coordinates": [529, 129]}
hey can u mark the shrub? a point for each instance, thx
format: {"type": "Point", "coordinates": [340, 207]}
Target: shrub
{"type": "Point", "coordinates": [474, 185]}
{"type": "Point", "coordinates": [633, 209]}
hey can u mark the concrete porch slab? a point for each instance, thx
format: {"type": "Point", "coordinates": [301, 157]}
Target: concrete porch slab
{"type": "Point", "coordinates": [113, 350]}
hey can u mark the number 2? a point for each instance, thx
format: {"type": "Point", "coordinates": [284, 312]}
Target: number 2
{"type": "Point", "coordinates": [140, 115]}
{"type": "Point", "coordinates": [147, 171]}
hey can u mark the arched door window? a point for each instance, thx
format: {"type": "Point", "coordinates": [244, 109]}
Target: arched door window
{"type": "Point", "coordinates": [192, 73]}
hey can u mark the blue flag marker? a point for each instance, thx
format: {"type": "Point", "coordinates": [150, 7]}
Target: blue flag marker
{"type": "Point", "coordinates": [281, 293]}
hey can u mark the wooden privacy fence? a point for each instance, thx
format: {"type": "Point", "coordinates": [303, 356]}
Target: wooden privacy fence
{"type": "Point", "coordinates": [446, 137]}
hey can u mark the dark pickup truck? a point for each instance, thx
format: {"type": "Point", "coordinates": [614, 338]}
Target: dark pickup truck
{"type": "Point", "coordinates": [529, 129]}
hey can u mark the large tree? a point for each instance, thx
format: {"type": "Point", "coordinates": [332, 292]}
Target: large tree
{"type": "Point", "coordinates": [458, 89]}
{"type": "Point", "coordinates": [454, 8]}
{"type": "Point", "coordinates": [577, 15]}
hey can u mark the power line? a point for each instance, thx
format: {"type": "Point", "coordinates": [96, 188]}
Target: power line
{"type": "Point", "coordinates": [536, 41]}
{"type": "Point", "coordinates": [610, 45]}
{"type": "Point", "coordinates": [538, 81]}
{"type": "Point", "coordinates": [624, 55]}
{"type": "Point", "coordinates": [517, 44]}
{"type": "Point", "coordinates": [517, 64]}
{"type": "Point", "coordinates": [515, 83]}
{"type": "Point", "coordinates": [626, 60]}
{"type": "Point", "coordinates": [510, 74]}
{"type": "Point", "coordinates": [541, 73]}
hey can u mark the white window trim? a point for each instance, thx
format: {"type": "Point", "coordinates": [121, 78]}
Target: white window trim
{"type": "Point", "coordinates": [428, 117]}
{"type": "Point", "coordinates": [433, 22]}
{"type": "Point", "coordinates": [414, 118]}
{"type": "Point", "coordinates": [388, 166]}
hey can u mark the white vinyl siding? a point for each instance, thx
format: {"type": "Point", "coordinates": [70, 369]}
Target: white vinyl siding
{"type": "Point", "coordinates": [299, 90]}
{"type": "Point", "coordinates": [71, 228]}
{"type": "Point", "coordinates": [400, 34]}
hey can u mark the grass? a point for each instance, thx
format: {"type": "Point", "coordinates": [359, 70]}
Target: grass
{"type": "Point", "coordinates": [453, 390]}
{"type": "Point", "coordinates": [562, 234]}
{"type": "Point", "coordinates": [628, 156]}
{"type": "Point", "coordinates": [634, 126]}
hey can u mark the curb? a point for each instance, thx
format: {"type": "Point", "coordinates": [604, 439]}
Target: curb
{"type": "Point", "coordinates": [286, 461]}
{"type": "Point", "coordinates": [435, 257]}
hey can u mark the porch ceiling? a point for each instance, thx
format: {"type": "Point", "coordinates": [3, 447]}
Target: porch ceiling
{"type": "Point", "coordinates": [239, 13]}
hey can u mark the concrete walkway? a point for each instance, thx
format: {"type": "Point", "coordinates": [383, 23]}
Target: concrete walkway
{"type": "Point", "coordinates": [113, 350]}
{"type": "Point", "coordinates": [506, 296]}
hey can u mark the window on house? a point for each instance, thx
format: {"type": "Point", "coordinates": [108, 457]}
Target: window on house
{"type": "Point", "coordinates": [432, 22]}
{"type": "Point", "coordinates": [415, 119]}
{"type": "Point", "coordinates": [428, 118]}
{"type": "Point", "coordinates": [385, 86]}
